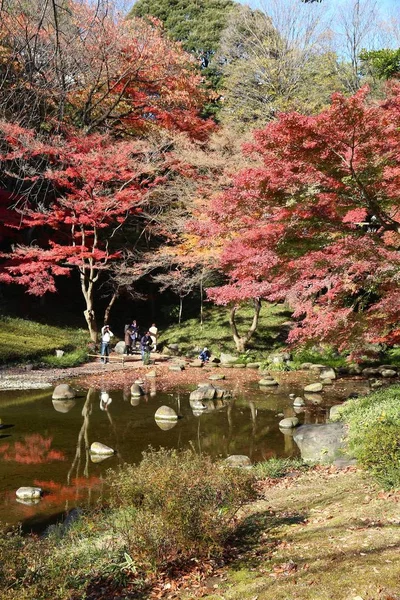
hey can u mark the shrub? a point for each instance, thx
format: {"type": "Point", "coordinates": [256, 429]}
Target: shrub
{"type": "Point", "coordinates": [380, 454]}
{"type": "Point", "coordinates": [181, 505]}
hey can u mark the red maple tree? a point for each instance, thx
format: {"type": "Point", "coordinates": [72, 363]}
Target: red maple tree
{"type": "Point", "coordinates": [93, 186]}
{"type": "Point", "coordinates": [316, 222]}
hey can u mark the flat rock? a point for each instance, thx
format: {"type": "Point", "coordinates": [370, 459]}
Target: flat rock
{"type": "Point", "coordinates": [313, 387]}
{"type": "Point", "coordinates": [239, 366]}
{"type": "Point", "coordinates": [227, 358]}
{"type": "Point", "coordinates": [176, 368]}
{"type": "Point", "coordinates": [136, 390]}
{"type": "Point", "coordinates": [165, 413]}
{"type": "Point", "coordinates": [196, 363]}
{"type": "Point", "coordinates": [298, 401]}
{"type": "Point", "coordinates": [267, 382]}
{"type": "Point", "coordinates": [101, 449]}
{"type": "Point", "coordinates": [388, 373]}
{"type": "Point", "coordinates": [203, 393]}
{"type": "Point", "coordinates": [63, 391]}
{"type": "Point", "coordinates": [314, 398]}
{"type": "Point", "coordinates": [217, 377]}
{"type": "Point", "coordinates": [327, 373]}
{"type": "Point", "coordinates": [289, 423]}
{"type": "Point", "coordinates": [28, 493]}
{"type": "Point", "coordinates": [254, 365]}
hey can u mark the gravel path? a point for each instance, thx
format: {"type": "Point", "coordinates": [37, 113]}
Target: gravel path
{"type": "Point", "coordinates": [22, 378]}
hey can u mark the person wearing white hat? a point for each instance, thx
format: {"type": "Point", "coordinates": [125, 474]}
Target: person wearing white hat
{"type": "Point", "coordinates": [204, 355]}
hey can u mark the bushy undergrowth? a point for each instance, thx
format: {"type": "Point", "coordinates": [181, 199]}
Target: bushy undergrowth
{"type": "Point", "coordinates": [275, 468]}
{"type": "Point", "coordinates": [172, 508]}
{"type": "Point", "coordinates": [181, 505]}
{"type": "Point", "coordinates": [374, 434]}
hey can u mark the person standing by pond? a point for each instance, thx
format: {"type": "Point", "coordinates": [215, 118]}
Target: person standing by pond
{"type": "Point", "coordinates": [106, 335]}
{"type": "Point", "coordinates": [145, 347]}
{"type": "Point", "coordinates": [153, 333]}
{"type": "Point", "coordinates": [134, 335]}
{"type": "Point", "coordinates": [128, 340]}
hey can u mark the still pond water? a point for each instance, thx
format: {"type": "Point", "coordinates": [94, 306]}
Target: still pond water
{"type": "Point", "coordinates": [44, 443]}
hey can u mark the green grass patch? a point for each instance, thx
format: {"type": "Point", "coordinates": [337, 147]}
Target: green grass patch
{"type": "Point", "coordinates": [28, 341]}
{"type": "Point", "coordinates": [324, 356]}
{"type": "Point", "coordinates": [276, 468]}
{"type": "Point", "coordinates": [215, 332]}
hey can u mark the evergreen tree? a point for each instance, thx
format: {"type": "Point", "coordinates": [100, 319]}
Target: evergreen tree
{"type": "Point", "coordinates": [197, 24]}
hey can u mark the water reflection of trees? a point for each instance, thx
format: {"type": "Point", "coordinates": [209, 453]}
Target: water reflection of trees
{"type": "Point", "coordinates": [82, 449]}
{"type": "Point", "coordinates": [34, 449]}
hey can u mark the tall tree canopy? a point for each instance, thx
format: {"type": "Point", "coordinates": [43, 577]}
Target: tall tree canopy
{"type": "Point", "coordinates": [73, 63]}
{"type": "Point", "coordinates": [197, 24]}
{"type": "Point", "coordinates": [316, 222]}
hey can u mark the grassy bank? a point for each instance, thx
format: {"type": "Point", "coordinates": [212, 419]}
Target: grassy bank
{"type": "Point", "coordinates": [179, 527]}
{"type": "Point", "coordinates": [322, 536]}
{"type": "Point", "coordinates": [23, 341]}
{"type": "Point", "coordinates": [215, 332]}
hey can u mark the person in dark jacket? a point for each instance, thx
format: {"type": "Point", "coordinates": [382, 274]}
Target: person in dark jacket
{"type": "Point", "coordinates": [128, 340]}
{"type": "Point", "coordinates": [204, 355]}
{"type": "Point", "coordinates": [145, 347]}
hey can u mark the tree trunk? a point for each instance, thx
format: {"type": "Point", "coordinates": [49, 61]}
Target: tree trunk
{"type": "Point", "coordinates": [241, 341]}
{"type": "Point", "coordinates": [180, 309]}
{"type": "Point", "coordinates": [201, 300]}
{"type": "Point", "coordinates": [88, 294]}
{"type": "Point", "coordinates": [109, 306]}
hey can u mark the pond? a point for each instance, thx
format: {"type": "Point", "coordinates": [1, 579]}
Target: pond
{"type": "Point", "coordinates": [45, 443]}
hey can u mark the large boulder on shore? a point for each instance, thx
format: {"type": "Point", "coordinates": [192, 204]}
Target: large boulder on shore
{"type": "Point", "coordinates": [205, 392]}
{"type": "Point", "coordinates": [321, 443]}
{"type": "Point", "coordinates": [63, 391]}
{"type": "Point", "coordinates": [227, 359]}
{"type": "Point", "coordinates": [119, 347]}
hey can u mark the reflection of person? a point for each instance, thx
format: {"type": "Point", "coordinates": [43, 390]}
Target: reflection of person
{"type": "Point", "coordinates": [204, 355]}
{"type": "Point", "coordinates": [145, 347]}
{"type": "Point", "coordinates": [105, 401]}
{"type": "Point", "coordinates": [153, 334]}
{"type": "Point", "coordinates": [106, 335]}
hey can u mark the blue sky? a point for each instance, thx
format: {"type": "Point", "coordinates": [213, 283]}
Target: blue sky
{"type": "Point", "coordinates": [388, 6]}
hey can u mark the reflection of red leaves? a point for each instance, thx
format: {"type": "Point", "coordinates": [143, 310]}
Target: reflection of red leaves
{"type": "Point", "coordinates": [34, 450]}
{"type": "Point", "coordinates": [57, 492]}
